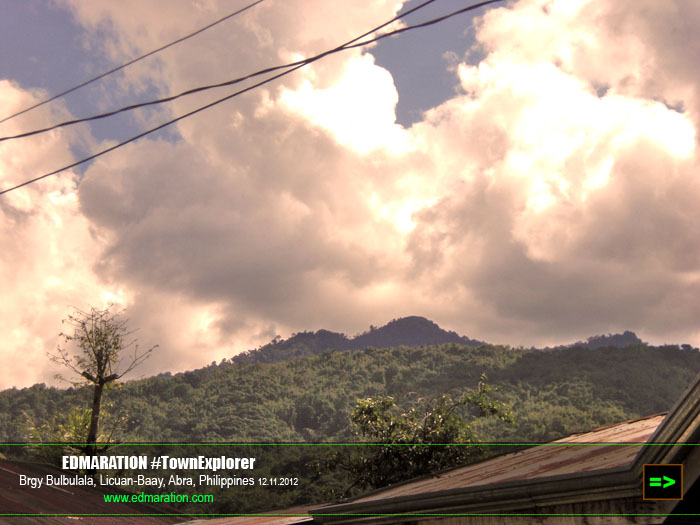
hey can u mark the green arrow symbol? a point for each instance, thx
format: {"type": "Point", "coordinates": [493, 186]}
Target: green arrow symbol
{"type": "Point", "coordinates": [669, 482]}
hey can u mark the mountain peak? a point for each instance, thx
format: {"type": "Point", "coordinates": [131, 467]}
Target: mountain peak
{"type": "Point", "coordinates": [624, 339]}
{"type": "Point", "coordinates": [406, 331]}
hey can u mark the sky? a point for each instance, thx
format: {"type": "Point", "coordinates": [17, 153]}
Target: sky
{"type": "Point", "coordinates": [526, 174]}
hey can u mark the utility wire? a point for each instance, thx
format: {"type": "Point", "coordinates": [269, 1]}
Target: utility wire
{"type": "Point", "coordinates": [233, 81]}
{"type": "Point", "coordinates": [348, 45]}
{"type": "Point", "coordinates": [114, 70]}
{"type": "Point", "coordinates": [211, 86]}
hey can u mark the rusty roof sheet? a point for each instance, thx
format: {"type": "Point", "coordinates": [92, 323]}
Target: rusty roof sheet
{"type": "Point", "coordinates": [595, 450]}
{"type": "Point", "coordinates": [84, 499]}
{"type": "Point", "coordinates": [288, 516]}
{"type": "Point", "coordinates": [66, 500]}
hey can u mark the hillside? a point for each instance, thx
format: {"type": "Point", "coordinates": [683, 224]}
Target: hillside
{"type": "Point", "coordinates": [412, 331]}
{"type": "Point", "coordinates": [564, 390]}
{"type": "Point", "coordinates": [309, 399]}
{"type": "Point", "coordinates": [597, 341]}
{"type": "Point", "coordinates": [408, 331]}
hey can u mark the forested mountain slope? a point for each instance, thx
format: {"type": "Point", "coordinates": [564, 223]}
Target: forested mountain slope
{"type": "Point", "coordinates": [552, 393]}
{"type": "Point", "coordinates": [411, 331]}
{"type": "Point", "coordinates": [407, 331]}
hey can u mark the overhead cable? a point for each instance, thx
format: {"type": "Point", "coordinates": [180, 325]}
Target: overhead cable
{"type": "Point", "coordinates": [297, 65]}
{"type": "Point", "coordinates": [239, 79]}
{"type": "Point", "coordinates": [133, 61]}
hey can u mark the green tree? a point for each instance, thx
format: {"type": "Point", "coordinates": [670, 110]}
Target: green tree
{"type": "Point", "coordinates": [100, 353]}
{"type": "Point", "coordinates": [70, 427]}
{"type": "Point", "coordinates": [424, 439]}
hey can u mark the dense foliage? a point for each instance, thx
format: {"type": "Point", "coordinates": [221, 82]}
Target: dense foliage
{"type": "Point", "coordinates": [409, 331]}
{"type": "Point", "coordinates": [427, 438]}
{"type": "Point", "coordinates": [551, 393]}
{"type": "Point", "coordinates": [96, 353]}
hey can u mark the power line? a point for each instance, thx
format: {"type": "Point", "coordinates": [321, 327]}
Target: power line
{"type": "Point", "coordinates": [203, 88]}
{"type": "Point", "coordinates": [133, 61]}
{"type": "Point", "coordinates": [348, 45]}
{"type": "Point", "coordinates": [229, 82]}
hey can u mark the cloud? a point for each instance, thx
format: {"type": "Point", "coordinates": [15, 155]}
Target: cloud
{"type": "Point", "coordinates": [575, 212]}
{"type": "Point", "coordinates": [359, 110]}
{"type": "Point", "coordinates": [554, 198]}
{"type": "Point", "coordinates": [260, 220]}
{"type": "Point", "coordinates": [46, 245]}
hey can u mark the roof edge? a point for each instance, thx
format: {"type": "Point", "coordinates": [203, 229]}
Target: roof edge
{"type": "Point", "coordinates": [681, 425]}
{"type": "Point", "coordinates": [504, 497]}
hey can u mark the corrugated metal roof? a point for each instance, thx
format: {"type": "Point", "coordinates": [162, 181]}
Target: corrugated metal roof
{"type": "Point", "coordinates": [85, 499]}
{"type": "Point", "coordinates": [66, 500]}
{"type": "Point", "coordinates": [551, 459]}
{"type": "Point", "coordinates": [596, 471]}
{"type": "Point", "coordinates": [263, 520]}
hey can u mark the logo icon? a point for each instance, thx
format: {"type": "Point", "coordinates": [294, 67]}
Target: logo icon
{"type": "Point", "coordinates": [663, 482]}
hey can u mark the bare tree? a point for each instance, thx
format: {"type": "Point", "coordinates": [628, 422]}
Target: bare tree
{"type": "Point", "coordinates": [101, 353]}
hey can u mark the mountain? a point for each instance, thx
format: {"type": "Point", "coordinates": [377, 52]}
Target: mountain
{"type": "Point", "coordinates": [310, 399]}
{"type": "Point", "coordinates": [409, 331]}
{"type": "Point", "coordinates": [619, 340]}
{"type": "Point", "coordinates": [622, 340]}
{"type": "Point", "coordinates": [412, 331]}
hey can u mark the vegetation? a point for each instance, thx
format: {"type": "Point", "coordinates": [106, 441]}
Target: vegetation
{"type": "Point", "coordinates": [311, 399]}
{"type": "Point", "coordinates": [622, 340]}
{"type": "Point", "coordinates": [403, 439]}
{"type": "Point", "coordinates": [409, 331]}
{"type": "Point", "coordinates": [99, 357]}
